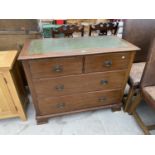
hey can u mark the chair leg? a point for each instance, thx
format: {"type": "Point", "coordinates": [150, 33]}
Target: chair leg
{"type": "Point", "coordinates": [146, 129]}
{"type": "Point", "coordinates": [151, 127]}
{"type": "Point", "coordinates": [129, 97]}
{"type": "Point", "coordinates": [135, 104]}
{"type": "Point", "coordinates": [141, 124]}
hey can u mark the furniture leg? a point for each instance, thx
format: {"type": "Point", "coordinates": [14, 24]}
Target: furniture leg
{"type": "Point", "coordinates": [141, 124]}
{"type": "Point", "coordinates": [129, 97]}
{"type": "Point", "coordinates": [42, 121]}
{"type": "Point", "coordinates": [135, 104]}
{"type": "Point", "coordinates": [23, 116]}
{"type": "Point", "coordinates": [116, 108]}
{"type": "Point", "coordinates": [151, 127]}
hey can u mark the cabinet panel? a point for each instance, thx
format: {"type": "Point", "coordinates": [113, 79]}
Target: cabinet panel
{"type": "Point", "coordinates": [6, 103]}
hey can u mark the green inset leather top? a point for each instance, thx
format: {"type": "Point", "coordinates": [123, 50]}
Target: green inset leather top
{"type": "Point", "coordinates": [57, 47]}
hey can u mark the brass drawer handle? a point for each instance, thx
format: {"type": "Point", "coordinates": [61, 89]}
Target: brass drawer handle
{"type": "Point", "coordinates": [59, 87]}
{"type": "Point", "coordinates": [104, 82]}
{"type": "Point", "coordinates": [102, 99]}
{"type": "Point", "coordinates": [108, 63]}
{"type": "Point", "coordinates": [60, 105]}
{"type": "Point", "coordinates": [58, 68]}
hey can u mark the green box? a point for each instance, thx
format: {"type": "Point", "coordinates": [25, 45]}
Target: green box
{"type": "Point", "coordinates": [47, 29]}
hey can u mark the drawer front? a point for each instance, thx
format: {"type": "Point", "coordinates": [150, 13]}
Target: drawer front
{"type": "Point", "coordinates": [55, 67]}
{"type": "Point", "coordinates": [79, 101]}
{"type": "Point", "coordinates": [80, 83]}
{"type": "Point", "coordinates": [107, 62]}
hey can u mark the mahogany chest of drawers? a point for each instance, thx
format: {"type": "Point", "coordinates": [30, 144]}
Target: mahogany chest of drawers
{"type": "Point", "coordinates": [68, 75]}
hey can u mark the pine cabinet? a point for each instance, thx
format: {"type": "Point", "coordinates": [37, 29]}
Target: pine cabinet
{"type": "Point", "coordinates": [13, 98]}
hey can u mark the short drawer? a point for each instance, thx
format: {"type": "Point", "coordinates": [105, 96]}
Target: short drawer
{"type": "Point", "coordinates": [107, 62]}
{"type": "Point", "coordinates": [55, 67]}
{"type": "Point", "coordinates": [80, 83]}
{"type": "Point", "coordinates": [79, 101]}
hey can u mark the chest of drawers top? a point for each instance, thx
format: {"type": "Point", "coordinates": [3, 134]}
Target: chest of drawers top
{"type": "Point", "coordinates": [62, 47]}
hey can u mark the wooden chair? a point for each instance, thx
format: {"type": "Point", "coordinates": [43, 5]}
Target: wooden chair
{"type": "Point", "coordinates": [147, 90]}
{"type": "Point", "coordinates": [68, 30]}
{"type": "Point", "coordinates": [134, 83]}
{"type": "Point", "coordinates": [139, 32]}
{"type": "Point", "coordinates": [104, 28]}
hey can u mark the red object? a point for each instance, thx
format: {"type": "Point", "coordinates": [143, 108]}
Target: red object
{"type": "Point", "coordinates": [60, 22]}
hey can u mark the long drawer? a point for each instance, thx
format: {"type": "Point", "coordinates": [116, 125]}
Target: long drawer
{"type": "Point", "coordinates": [80, 83]}
{"type": "Point", "coordinates": [78, 101]}
{"type": "Point", "coordinates": [107, 62]}
{"type": "Point", "coordinates": [55, 67]}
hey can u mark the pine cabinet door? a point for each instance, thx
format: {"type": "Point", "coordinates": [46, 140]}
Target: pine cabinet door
{"type": "Point", "coordinates": [6, 103]}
